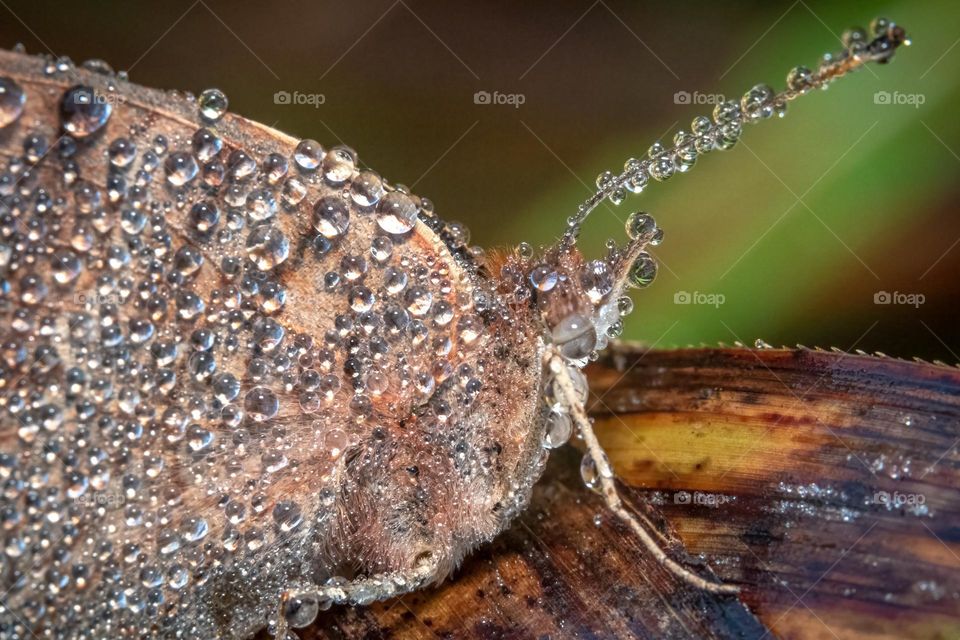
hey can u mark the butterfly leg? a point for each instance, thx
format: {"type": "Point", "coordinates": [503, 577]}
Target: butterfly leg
{"type": "Point", "coordinates": [301, 603]}
{"type": "Point", "coordinates": [567, 389]}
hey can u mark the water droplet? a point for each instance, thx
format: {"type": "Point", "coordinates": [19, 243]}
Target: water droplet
{"type": "Point", "coordinates": [576, 336]}
{"type": "Point", "coordinates": [617, 196]}
{"type": "Point", "coordinates": [122, 152]}
{"type": "Point", "coordinates": [643, 271]}
{"type": "Point", "coordinates": [800, 79]}
{"type": "Point", "coordinates": [394, 280]}
{"type": "Point", "coordinates": [331, 217]}
{"type": "Point", "coordinates": [339, 164]}
{"type": "Point", "coordinates": [662, 167]}
{"type": "Point", "coordinates": [12, 100]}
{"type": "Point", "coordinates": [293, 192]}
{"type": "Point", "coordinates": [559, 428]}
{"type": "Point", "coordinates": [275, 168]}
{"type": "Point", "coordinates": [640, 224]}
{"type": "Point", "coordinates": [757, 102]}
{"type": "Point", "coordinates": [637, 181]}
{"type": "Point", "coordinates": [381, 248]}
{"type": "Point", "coordinates": [301, 608]}
{"type": "Point", "coordinates": [469, 329]}
{"type": "Point", "coordinates": [181, 168]}
{"type": "Point", "coordinates": [267, 247]}
{"type": "Point", "coordinates": [725, 112]}
{"type": "Point", "coordinates": [597, 280]}
{"type": "Point", "coordinates": [240, 166]}
{"type": "Point", "coordinates": [261, 404]}
{"type": "Point", "coordinates": [213, 104]}
{"type": "Point", "coordinates": [308, 155]}
{"type": "Point", "coordinates": [419, 299]}
{"type": "Point", "coordinates": [543, 277]}
{"type": "Point", "coordinates": [287, 515]}
{"type": "Point", "coordinates": [367, 189]}
{"type": "Point", "coordinates": [589, 473]}
{"type": "Point", "coordinates": [261, 205]}
{"type": "Point", "coordinates": [205, 144]}
{"type": "Point", "coordinates": [605, 179]}
{"type": "Point", "coordinates": [204, 218]}
{"type": "Point", "coordinates": [66, 266]}
{"type": "Point", "coordinates": [397, 213]}
{"type": "Point", "coordinates": [83, 112]}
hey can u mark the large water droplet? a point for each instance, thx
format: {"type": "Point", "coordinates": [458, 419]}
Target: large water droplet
{"type": "Point", "coordinates": [261, 404]}
{"type": "Point", "coordinates": [66, 266]}
{"type": "Point", "coordinates": [83, 112]}
{"type": "Point", "coordinates": [12, 100]}
{"type": "Point", "coordinates": [287, 515]}
{"type": "Point", "coordinates": [367, 189]}
{"type": "Point", "coordinates": [181, 168]}
{"type": "Point", "coordinates": [559, 428]}
{"type": "Point", "coordinates": [267, 247]}
{"type": "Point", "coordinates": [589, 473]}
{"type": "Point", "coordinates": [122, 152]}
{"type": "Point", "coordinates": [261, 204]}
{"type": "Point", "coordinates": [301, 608]}
{"type": "Point", "coordinates": [544, 277]}
{"type": "Point", "coordinates": [640, 224]}
{"type": "Point", "coordinates": [206, 145]}
{"type": "Point", "coordinates": [643, 271]}
{"type": "Point", "coordinates": [339, 164]}
{"type": "Point", "coordinates": [576, 336]}
{"type": "Point", "coordinates": [597, 280]}
{"type": "Point", "coordinates": [308, 155]}
{"type": "Point", "coordinates": [332, 217]}
{"type": "Point", "coordinates": [213, 104]}
{"type": "Point", "coordinates": [397, 213]}
{"type": "Point", "coordinates": [758, 102]}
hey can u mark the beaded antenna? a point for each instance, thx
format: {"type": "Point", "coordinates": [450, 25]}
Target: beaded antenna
{"type": "Point", "coordinates": [243, 380]}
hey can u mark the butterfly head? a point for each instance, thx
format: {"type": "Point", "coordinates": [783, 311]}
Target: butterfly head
{"type": "Point", "coordinates": [581, 301]}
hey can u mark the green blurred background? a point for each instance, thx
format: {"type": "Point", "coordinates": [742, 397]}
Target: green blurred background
{"type": "Point", "coordinates": [798, 228]}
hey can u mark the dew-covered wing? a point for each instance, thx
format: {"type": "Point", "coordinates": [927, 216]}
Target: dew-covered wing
{"type": "Point", "coordinates": [201, 320]}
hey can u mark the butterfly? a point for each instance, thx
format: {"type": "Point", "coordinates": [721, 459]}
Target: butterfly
{"type": "Point", "coordinates": [246, 379]}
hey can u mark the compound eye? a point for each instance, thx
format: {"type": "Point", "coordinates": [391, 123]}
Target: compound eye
{"type": "Point", "coordinates": [576, 336]}
{"type": "Point", "coordinates": [424, 557]}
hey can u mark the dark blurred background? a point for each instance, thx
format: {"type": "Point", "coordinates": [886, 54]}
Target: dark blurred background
{"type": "Point", "coordinates": [793, 236]}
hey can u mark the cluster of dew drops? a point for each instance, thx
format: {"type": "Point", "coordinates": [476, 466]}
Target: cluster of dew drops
{"type": "Point", "coordinates": [724, 128]}
{"type": "Point", "coordinates": [721, 131]}
{"type": "Point", "coordinates": [147, 361]}
{"type": "Point", "coordinates": [578, 335]}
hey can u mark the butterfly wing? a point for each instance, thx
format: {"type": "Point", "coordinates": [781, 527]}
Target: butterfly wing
{"type": "Point", "coordinates": [207, 326]}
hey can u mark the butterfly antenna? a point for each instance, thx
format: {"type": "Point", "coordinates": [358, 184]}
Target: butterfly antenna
{"type": "Point", "coordinates": [724, 129]}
